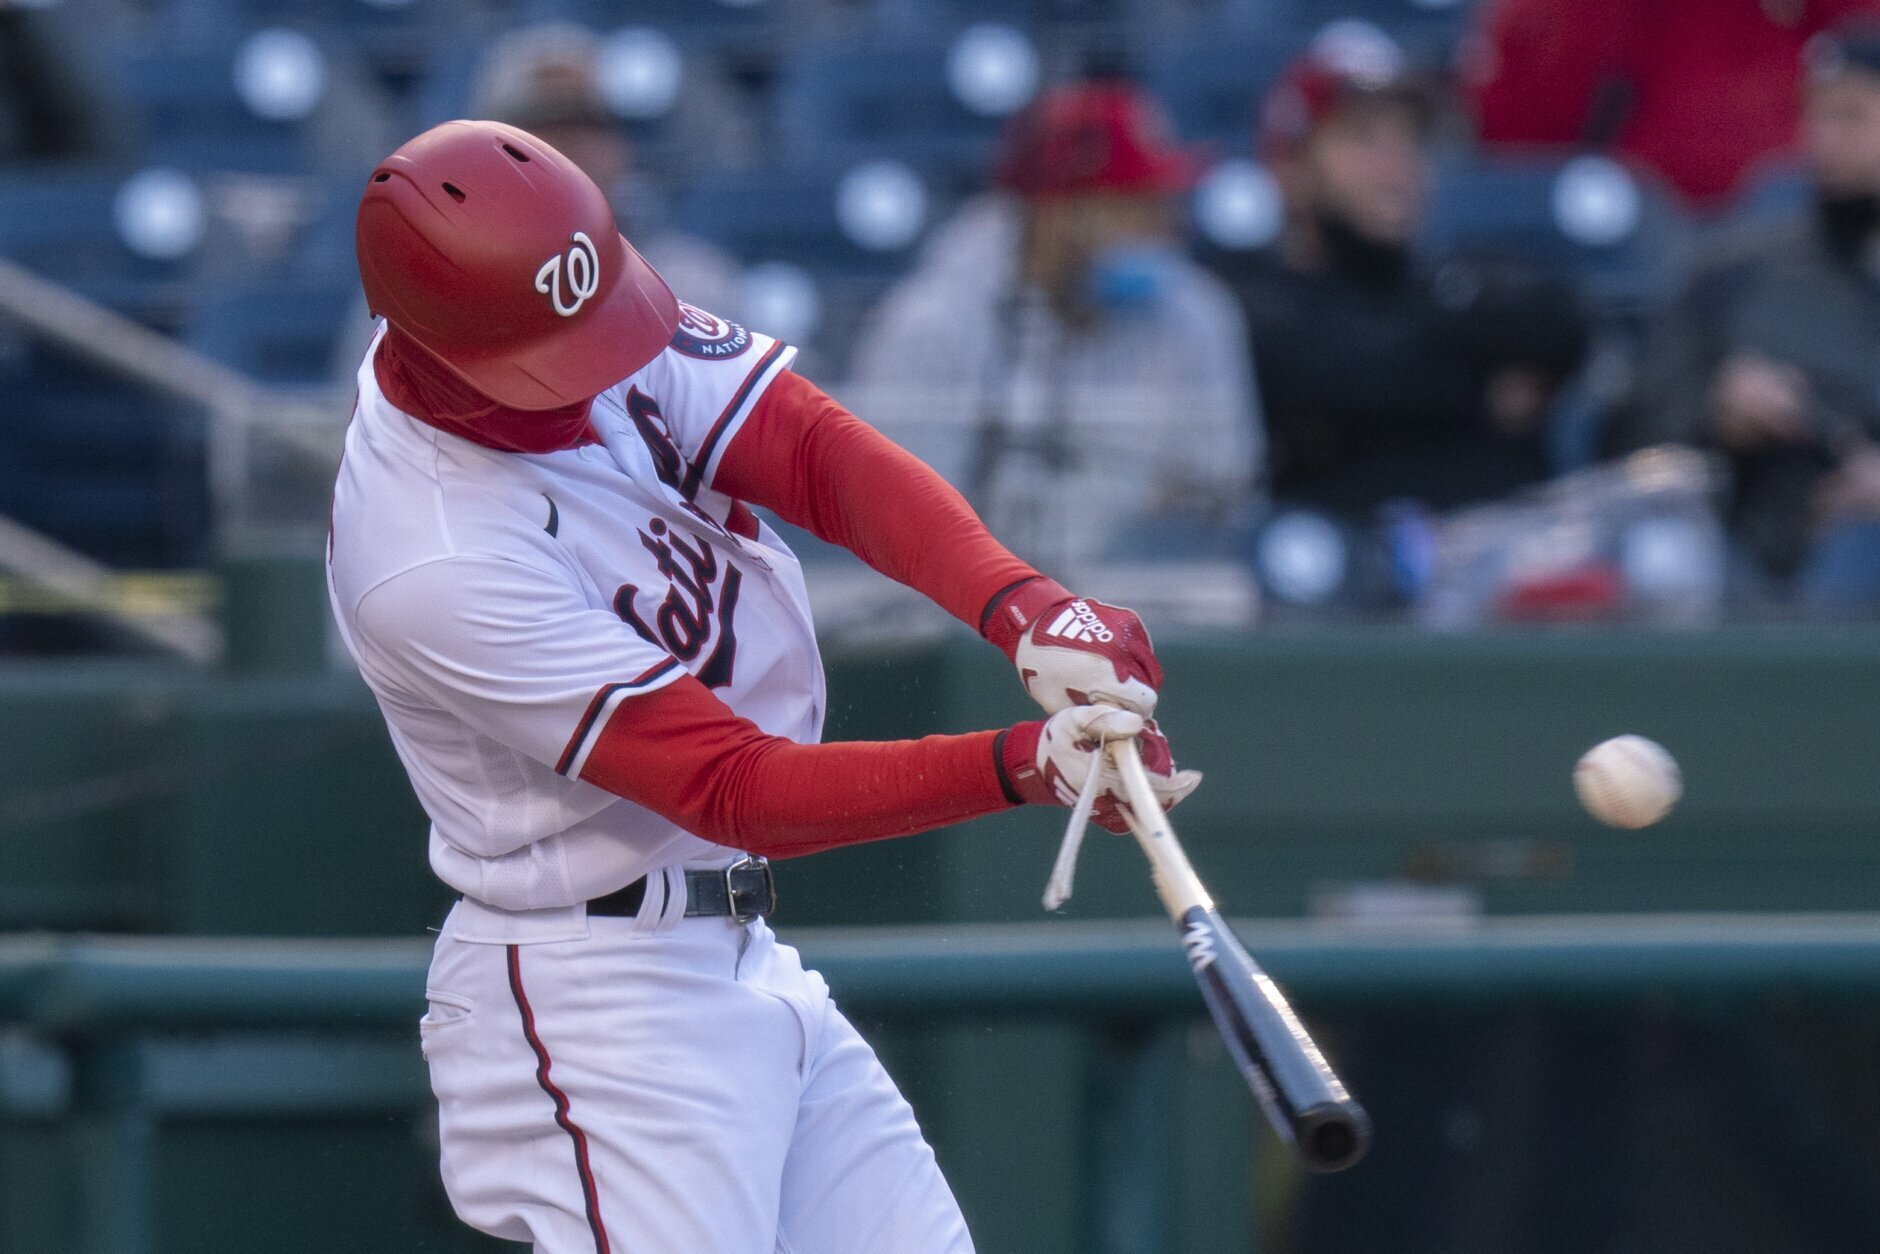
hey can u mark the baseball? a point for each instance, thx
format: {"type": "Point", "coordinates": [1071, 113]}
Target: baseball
{"type": "Point", "coordinates": [1628, 781]}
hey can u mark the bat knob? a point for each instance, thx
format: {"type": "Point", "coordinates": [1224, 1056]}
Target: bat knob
{"type": "Point", "coordinates": [1333, 1137]}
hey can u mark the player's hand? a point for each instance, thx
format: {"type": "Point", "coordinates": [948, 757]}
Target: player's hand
{"type": "Point", "coordinates": [1757, 401]}
{"type": "Point", "coordinates": [1048, 763]}
{"type": "Point", "coordinates": [1070, 651]}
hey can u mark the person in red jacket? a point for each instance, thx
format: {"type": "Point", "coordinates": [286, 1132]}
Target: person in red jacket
{"type": "Point", "coordinates": [599, 669]}
{"type": "Point", "coordinates": [1702, 91]}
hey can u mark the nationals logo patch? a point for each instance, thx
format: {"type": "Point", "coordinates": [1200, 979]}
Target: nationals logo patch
{"type": "Point", "coordinates": [708, 336]}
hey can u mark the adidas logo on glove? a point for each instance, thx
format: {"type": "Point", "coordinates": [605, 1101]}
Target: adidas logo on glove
{"type": "Point", "coordinates": [1080, 622]}
{"type": "Point", "coordinates": [1072, 650]}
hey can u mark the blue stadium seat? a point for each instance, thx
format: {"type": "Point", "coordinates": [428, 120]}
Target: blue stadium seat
{"type": "Point", "coordinates": [191, 117]}
{"type": "Point", "coordinates": [61, 224]}
{"type": "Point", "coordinates": [756, 29]}
{"type": "Point", "coordinates": [323, 253]}
{"type": "Point", "coordinates": [59, 220]}
{"type": "Point", "coordinates": [277, 333]}
{"type": "Point", "coordinates": [69, 412]}
{"type": "Point", "coordinates": [1213, 90]}
{"type": "Point", "coordinates": [777, 215]}
{"type": "Point", "coordinates": [936, 17]}
{"type": "Point", "coordinates": [128, 519]}
{"type": "Point", "coordinates": [850, 103]}
{"type": "Point", "coordinates": [374, 32]}
{"type": "Point", "coordinates": [1237, 16]}
{"type": "Point", "coordinates": [360, 16]}
{"type": "Point", "coordinates": [95, 462]}
{"type": "Point", "coordinates": [443, 92]}
{"type": "Point", "coordinates": [791, 216]}
{"type": "Point", "coordinates": [1511, 208]}
{"type": "Point", "coordinates": [1428, 29]}
{"type": "Point", "coordinates": [101, 465]}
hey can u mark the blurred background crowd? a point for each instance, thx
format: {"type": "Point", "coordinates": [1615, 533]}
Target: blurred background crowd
{"type": "Point", "coordinates": [1322, 332]}
{"type": "Point", "coordinates": [1461, 313]}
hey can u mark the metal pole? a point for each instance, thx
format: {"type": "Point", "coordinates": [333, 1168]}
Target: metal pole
{"type": "Point", "coordinates": [112, 1193]}
{"type": "Point", "coordinates": [1133, 1140]}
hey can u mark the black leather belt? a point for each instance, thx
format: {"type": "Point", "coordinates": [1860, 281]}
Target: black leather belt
{"type": "Point", "coordinates": [745, 890]}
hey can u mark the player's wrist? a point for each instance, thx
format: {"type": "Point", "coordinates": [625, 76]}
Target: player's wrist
{"type": "Point", "coordinates": [1015, 758]}
{"type": "Point", "coordinates": [1014, 608]}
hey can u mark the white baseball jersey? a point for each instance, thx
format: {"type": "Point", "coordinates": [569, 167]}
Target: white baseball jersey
{"type": "Point", "coordinates": [502, 606]}
{"type": "Point", "coordinates": [662, 1083]}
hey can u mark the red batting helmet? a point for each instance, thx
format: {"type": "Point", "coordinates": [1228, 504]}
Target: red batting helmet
{"type": "Point", "coordinates": [500, 258]}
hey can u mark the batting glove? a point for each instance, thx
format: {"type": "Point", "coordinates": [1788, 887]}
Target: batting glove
{"type": "Point", "coordinates": [1049, 763]}
{"type": "Point", "coordinates": [1071, 651]}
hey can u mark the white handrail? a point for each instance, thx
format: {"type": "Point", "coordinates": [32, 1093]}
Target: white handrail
{"type": "Point", "coordinates": [88, 585]}
{"type": "Point", "coordinates": [237, 406]}
{"type": "Point", "coordinates": [127, 348]}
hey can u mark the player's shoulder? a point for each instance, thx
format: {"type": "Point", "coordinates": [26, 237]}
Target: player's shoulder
{"type": "Point", "coordinates": [707, 349]}
{"type": "Point", "coordinates": [705, 336]}
{"type": "Point", "coordinates": [436, 587]}
{"type": "Point", "coordinates": [711, 365]}
{"type": "Point", "coordinates": [397, 506]}
{"type": "Point", "coordinates": [389, 596]}
{"type": "Point", "coordinates": [396, 465]}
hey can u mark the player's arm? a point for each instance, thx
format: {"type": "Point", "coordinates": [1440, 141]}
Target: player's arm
{"type": "Point", "coordinates": [682, 753]}
{"type": "Point", "coordinates": [803, 455]}
{"type": "Point", "coordinates": [513, 651]}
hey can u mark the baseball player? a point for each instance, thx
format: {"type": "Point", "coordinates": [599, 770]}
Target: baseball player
{"type": "Point", "coordinates": [599, 669]}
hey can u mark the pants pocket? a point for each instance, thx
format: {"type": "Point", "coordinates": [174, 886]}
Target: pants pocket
{"type": "Point", "coordinates": [444, 1012]}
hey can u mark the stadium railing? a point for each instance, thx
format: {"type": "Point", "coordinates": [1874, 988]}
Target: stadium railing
{"type": "Point", "coordinates": [109, 1037]}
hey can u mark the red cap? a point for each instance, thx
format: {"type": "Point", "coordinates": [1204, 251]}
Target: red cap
{"type": "Point", "coordinates": [1091, 137]}
{"type": "Point", "coordinates": [1339, 67]}
{"type": "Point", "coordinates": [500, 258]}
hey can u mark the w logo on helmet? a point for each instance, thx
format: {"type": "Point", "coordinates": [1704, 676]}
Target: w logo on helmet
{"type": "Point", "coordinates": [583, 265]}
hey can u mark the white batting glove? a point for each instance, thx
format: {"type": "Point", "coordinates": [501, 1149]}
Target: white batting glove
{"type": "Point", "coordinates": [1073, 651]}
{"type": "Point", "coordinates": [1050, 763]}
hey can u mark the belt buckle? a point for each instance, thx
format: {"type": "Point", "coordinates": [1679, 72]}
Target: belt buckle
{"type": "Point", "coordinates": [750, 889]}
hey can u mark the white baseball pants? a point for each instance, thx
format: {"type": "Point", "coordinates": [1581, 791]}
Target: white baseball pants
{"type": "Point", "coordinates": [664, 1085]}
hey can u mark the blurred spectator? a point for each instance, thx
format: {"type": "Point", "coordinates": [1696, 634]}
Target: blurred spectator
{"type": "Point", "coordinates": [1083, 375]}
{"type": "Point", "coordinates": [547, 80]}
{"type": "Point", "coordinates": [1772, 354]}
{"type": "Point", "coordinates": [1699, 90]}
{"type": "Point", "coordinates": [1382, 377]}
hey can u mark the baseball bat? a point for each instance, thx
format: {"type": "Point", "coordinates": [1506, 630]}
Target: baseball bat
{"type": "Point", "coordinates": [1302, 1096]}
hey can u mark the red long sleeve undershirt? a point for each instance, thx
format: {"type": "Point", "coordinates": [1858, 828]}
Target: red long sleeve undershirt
{"type": "Point", "coordinates": [684, 754]}
{"type": "Point", "coordinates": [816, 465]}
